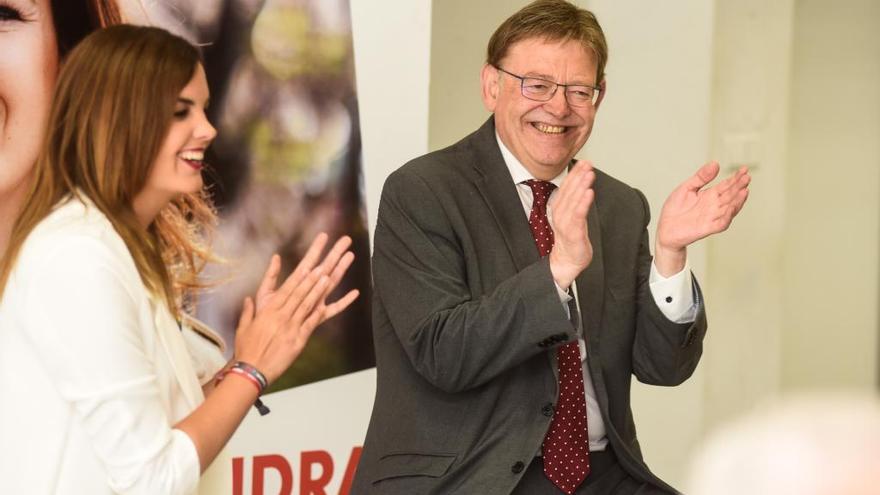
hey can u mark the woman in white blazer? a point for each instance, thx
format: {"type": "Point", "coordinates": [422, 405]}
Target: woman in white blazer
{"type": "Point", "coordinates": [106, 385]}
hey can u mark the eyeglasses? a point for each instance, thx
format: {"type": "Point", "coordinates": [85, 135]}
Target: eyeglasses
{"type": "Point", "coordinates": [577, 95]}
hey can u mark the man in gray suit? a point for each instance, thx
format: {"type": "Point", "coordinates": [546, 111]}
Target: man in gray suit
{"type": "Point", "coordinates": [515, 292]}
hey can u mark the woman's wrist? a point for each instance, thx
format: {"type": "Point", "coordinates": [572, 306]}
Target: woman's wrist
{"type": "Point", "coordinates": [249, 373]}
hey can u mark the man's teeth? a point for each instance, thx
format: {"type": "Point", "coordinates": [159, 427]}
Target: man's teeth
{"type": "Point", "coordinates": [549, 129]}
{"type": "Point", "coordinates": [193, 156]}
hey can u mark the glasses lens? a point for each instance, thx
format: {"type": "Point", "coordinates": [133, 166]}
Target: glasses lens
{"type": "Point", "coordinates": [581, 95]}
{"type": "Point", "coordinates": [537, 89]}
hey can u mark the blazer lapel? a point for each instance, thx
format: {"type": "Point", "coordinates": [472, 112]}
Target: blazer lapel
{"type": "Point", "coordinates": [167, 329]}
{"type": "Point", "coordinates": [169, 335]}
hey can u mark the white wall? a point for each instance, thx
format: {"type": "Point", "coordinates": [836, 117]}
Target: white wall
{"type": "Point", "coordinates": [749, 125]}
{"type": "Point", "coordinates": [833, 201]}
{"type": "Point", "coordinates": [392, 41]}
{"type": "Point", "coordinates": [458, 51]}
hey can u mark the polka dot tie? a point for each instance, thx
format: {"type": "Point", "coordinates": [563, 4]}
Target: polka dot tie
{"type": "Point", "coordinates": [566, 445]}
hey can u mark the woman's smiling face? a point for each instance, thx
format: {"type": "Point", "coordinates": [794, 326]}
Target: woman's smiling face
{"type": "Point", "coordinates": [178, 167]}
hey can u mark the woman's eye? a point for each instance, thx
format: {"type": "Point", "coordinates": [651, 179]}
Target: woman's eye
{"type": "Point", "coordinates": [8, 13]}
{"type": "Point", "coordinates": [181, 114]}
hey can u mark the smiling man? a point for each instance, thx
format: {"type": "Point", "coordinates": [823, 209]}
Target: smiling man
{"type": "Point", "coordinates": [515, 292]}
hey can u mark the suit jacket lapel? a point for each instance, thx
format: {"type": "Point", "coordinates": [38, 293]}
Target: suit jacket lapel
{"type": "Point", "coordinates": [496, 186]}
{"type": "Point", "coordinates": [591, 282]}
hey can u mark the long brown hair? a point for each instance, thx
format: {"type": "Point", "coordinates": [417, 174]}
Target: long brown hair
{"type": "Point", "coordinates": [111, 111]}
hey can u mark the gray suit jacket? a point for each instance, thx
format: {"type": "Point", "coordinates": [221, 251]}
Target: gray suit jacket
{"type": "Point", "coordinates": [467, 320]}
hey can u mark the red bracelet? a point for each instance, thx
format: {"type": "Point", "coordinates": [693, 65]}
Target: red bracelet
{"type": "Point", "coordinates": [247, 375]}
{"type": "Point", "coordinates": [251, 378]}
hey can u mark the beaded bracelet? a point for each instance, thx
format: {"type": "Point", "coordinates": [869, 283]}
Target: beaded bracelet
{"type": "Point", "coordinates": [252, 375]}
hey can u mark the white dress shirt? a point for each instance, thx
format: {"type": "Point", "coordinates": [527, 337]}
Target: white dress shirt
{"type": "Point", "coordinates": [673, 295]}
{"type": "Point", "coordinates": [94, 370]}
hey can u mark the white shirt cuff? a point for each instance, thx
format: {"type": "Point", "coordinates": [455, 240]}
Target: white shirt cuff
{"type": "Point", "coordinates": [564, 298]}
{"type": "Point", "coordinates": [674, 295]}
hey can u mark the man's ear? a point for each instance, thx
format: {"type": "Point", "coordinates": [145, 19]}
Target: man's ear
{"type": "Point", "coordinates": [603, 87]}
{"type": "Point", "coordinates": [489, 85]}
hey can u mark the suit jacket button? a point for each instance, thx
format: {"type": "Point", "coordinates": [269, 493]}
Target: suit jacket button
{"type": "Point", "coordinates": [547, 410]}
{"type": "Point", "coordinates": [517, 467]}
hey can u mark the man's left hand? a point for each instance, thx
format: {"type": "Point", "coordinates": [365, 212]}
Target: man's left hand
{"type": "Point", "coordinates": [694, 211]}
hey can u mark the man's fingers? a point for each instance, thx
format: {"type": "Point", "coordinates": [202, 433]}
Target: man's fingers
{"type": "Point", "coordinates": [740, 201]}
{"type": "Point", "coordinates": [579, 181]}
{"type": "Point", "coordinates": [736, 181]}
{"type": "Point", "coordinates": [574, 177]}
{"type": "Point", "coordinates": [583, 199]}
{"type": "Point", "coordinates": [733, 186]}
{"type": "Point", "coordinates": [704, 175]}
{"type": "Point", "coordinates": [583, 164]}
{"type": "Point", "coordinates": [584, 204]}
{"type": "Point", "coordinates": [559, 198]}
{"type": "Point", "coordinates": [590, 178]}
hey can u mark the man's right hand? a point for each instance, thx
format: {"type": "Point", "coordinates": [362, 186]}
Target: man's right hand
{"type": "Point", "coordinates": [572, 251]}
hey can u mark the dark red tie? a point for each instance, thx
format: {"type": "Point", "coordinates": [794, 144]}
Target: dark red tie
{"type": "Point", "coordinates": [566, 445]}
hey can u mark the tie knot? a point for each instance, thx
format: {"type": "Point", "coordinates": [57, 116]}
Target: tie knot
{"type": "Point", "coordinates": [541, 190]}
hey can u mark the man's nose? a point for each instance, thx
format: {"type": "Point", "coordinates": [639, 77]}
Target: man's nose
{"type": "Point", "coordinates": [558, 105]}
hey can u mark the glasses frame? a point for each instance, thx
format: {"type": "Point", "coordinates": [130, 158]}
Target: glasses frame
{"type": "Point", "coordinates": [522, 89]}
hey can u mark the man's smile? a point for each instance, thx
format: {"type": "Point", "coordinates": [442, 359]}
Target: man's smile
{"type": "Point", "coordinates": [549, 129]}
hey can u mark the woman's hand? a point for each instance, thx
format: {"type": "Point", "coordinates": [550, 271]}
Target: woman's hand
{"type": "Point", "coordinates": [272, 333]}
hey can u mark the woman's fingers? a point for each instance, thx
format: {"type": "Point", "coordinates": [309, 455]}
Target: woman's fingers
{"type": "Point", "coordinates": [299, 293]}
{"type": "Point", "coordinates": [310, 301]}
{"type": "Point", "coordinates": [338, 306]}
{"type": "Point", "coordinates": [332, 258]}
{"type": "Point", "coordinates": [334, 266]}
{"type": "Point", "coordinates": [308, 262]}
{"type": "Point", "coordinates": [247, 314]}
{"type": "Point", "coordinates": [270, 280]}
{"type": "Point", "coordinates": [339, 271]}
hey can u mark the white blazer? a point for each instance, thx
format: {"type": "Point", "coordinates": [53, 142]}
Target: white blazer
{"type": "Point", "coordinates": [94, 371]}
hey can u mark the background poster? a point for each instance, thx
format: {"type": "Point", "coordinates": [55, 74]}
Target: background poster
{"type": "Point", "coordinates": [286, 164]}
